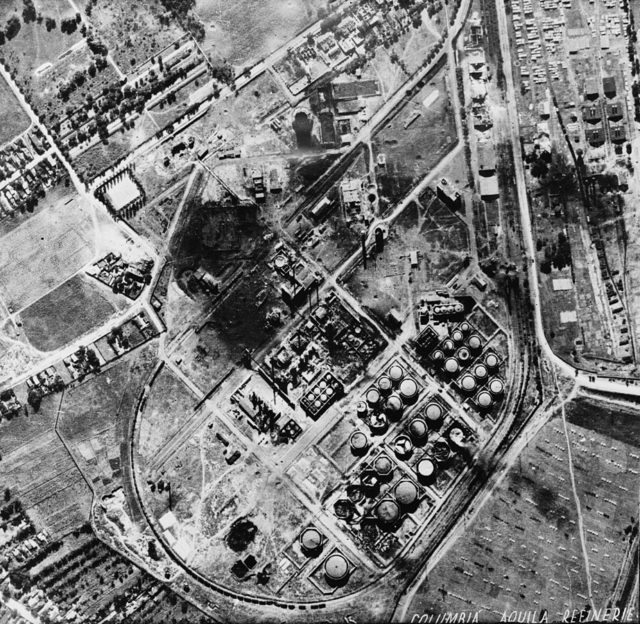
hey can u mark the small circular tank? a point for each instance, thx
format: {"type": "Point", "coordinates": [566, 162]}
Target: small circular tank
{"type": "Point", "coordinates": [396, 373]}
{"type": "Point", "coordinates": [465, 327]}
{"type": "Point", "coordinates": [406, 493]}
{"type": "Point", "coordinates": [418, 429]}
{"type": "Point", "coordinates": [336, 568]}
{"type": "Point", "coordinates": [457, 336]}
{"type": "Point", "coordinates": [373, 397]}
{"type": "Point", "coordinates": [456, 437]}
{"type": "Point", "coordinates": [384, 385]}
{"type": "Point", "coordinates": [496, 386]}
{"type": "Point", "coordinates": [441, 451]}
{"type": "Point", "coordinates": [433, 412]}
{"type": "Point", "coordinates": [485, 400]}
{"type": "Point", "coordinates": [451, 366]}
{"type": "Point", "coordinates": [491, 361]}
{"type": "Point", "coordinates": [437, 356]}
{"type": "Point", "coordinates": [358, 442]}
{"type": "Point", "coordinates": [311, 540]}
{"type": "Point", "coordinates": [383, 466]}
{"type": "Point", "coordinates": [468, 383]}
{"type": "Point", "coordinates": [388, 512]}
{"type": "Point", "coordinates": [463, 355]}
{"type": "Point", "coordinates": [370, 481]}
{"type": "Point", "coordinates": [378, 423]}
{"type": "Point", "coordinates": [425, 469]}
{"type": "Point", "coordinates": [480, 371]}
{"type": "Point", "coordinates": [408, 390]}
{"type": "Point", "coordinates": [475, 344]}
{"type": "Point", "coordinates": [393, 407]}
{"type": "Point", "coordinates": [448, 346]}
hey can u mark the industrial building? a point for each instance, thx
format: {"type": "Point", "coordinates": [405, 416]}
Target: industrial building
{"type": "Point", "coordinates": [449, 195]}
{"type": "Point", "coordinates": [489, 189]}
{"type": "Point", "coordinates": [486, 158]}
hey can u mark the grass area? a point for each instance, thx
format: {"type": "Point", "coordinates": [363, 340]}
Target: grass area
{"type": "Point", "coordinates": [94, 415]}
{"type": "Point", "coordinates": [14, 119]}
{"type": "Point", "coordinates": [169, 406]}
{"type": "Point", "coordinates": [153, 219]}
{"type": "Point", "coordinates": [133, 32]}
{"type": "Point", "coordinates": [64, 314]}
{"type": "Point", "coordinates": [46, 250]}
{"type": "Point", "coordinates": [40, 472]}
{"type": "Point", "coordinates": [34, 46]}
{"type": "Point", "coordinates": [416, 139]}
{"type": "Point", "coordinates": [244, 31]}
{"type": "Point", "coordinates": [102, 155]}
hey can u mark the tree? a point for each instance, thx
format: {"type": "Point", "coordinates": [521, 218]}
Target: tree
{"type": "Point", "coordinates": [7, 495]}
{"type": "Point", "coordinates": [92, 359]}
{"type": "Point", "coordinates": [34, 398]}
{"type": "Point", "coordinates": [13, 27]}
{"type": "Point", "coordinates": [29, 11]}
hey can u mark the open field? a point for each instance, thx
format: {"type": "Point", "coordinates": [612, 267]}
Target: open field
{"type": "Point", "coordinates": [102, 155]}
{"type": "Point", "coordinates": [133, 32]}
{"type": "Point", "coordinates": [94, 416]}
{"type": "Point", "coordinates": [416, 139]}
{"type": "Point", "coordinates": [64, 314]}
{"type": "Point", "coordinates": [169, 406]}
{"type": "Point", "coordinates": [14, 119]}
{"type": "Point", "coordinates": [244, 32]}
{"type": "Point", "coordinates": [154, 218]}
{"type": "Point", "coordinates": [531, 526]}
{"type": "Point", "coordinates": [39, 471]}
{"type": "Point", "coordinates": [45, 251]}
{"type": "Point", "coordinates": [34, 47]}
{"type": "Point", "coordinates": [390, 281]}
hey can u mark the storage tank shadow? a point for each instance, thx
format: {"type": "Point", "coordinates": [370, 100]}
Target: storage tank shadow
{"type": "Point", "coordinates": [379, 240]}
{"type": "Point", "coordinates": [302, 126]}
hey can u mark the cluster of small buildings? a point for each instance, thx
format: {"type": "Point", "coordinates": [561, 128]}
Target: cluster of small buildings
{"type": "Point", "coordinates": [18, 154]}
{"type": "Point", "coordinates": [361, 27]}
{"type": "Point", "coordinates": [26, 171]}
{"type": "Point", "coordinates": [46, 381]}
{"type": "Point", "coordinates": [26, 548]}
{"type": "Point", "coordinates": [9, 404]}
{"type": "Point", "coordinates": [603, 117]}
{"type": "Point", "coordinates": [299, 281]}
{"type": "Point", "coordinates": [121, 276]}
{"type": "Point", "coordinates": [259, 183]}
{"type": "Point", "coordinates": [478, 76]}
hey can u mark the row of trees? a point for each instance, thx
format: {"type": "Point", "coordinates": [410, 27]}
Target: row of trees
{"type": "Point", "coordinates": [29, 15]}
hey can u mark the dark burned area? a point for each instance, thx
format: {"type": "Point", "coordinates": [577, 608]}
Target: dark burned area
{"type": "Point", "coordinates": [229, 239]}
{"type": "Point", "coordinates": [219, 236]}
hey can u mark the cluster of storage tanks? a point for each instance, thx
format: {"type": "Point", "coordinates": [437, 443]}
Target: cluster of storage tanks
{"type": "Point", "coordinates": [336, 567]}
{"type": "Point", "coordinates": [405, 444]}
{"type": "Point", "coordinates": [457, 353]}
{"type": "Point", "coordinates": [387, 399]}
